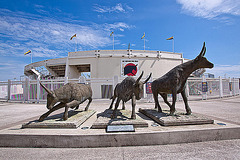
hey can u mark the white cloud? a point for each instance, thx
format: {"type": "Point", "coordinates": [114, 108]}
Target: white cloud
{"type": "Point", "coordinates": [225, 70]}
{"type": "Point", "coordinates": [48, 37]}
{"type": "Point", "coordinates": [11, 69]}
{"type": "Point", "coordinates": [118, 26]}
{"type": "Point", "coordinates": [55, 32]}
{"type": "Point", "coordinates": [119, 8]}
{"type": "Point", "coordinates": [210, 8]}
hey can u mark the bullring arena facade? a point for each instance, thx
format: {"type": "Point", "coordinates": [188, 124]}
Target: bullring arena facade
{"type": "Point", "coordinates": [106, 68]}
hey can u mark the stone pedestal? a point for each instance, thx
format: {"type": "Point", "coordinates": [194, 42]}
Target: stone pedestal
{"type": "Point", "coordinates": [178, 119]}
{"type": "Point", "coordinates": [75, 119]}
{"type": "Point", "coordinates": [123, 118]}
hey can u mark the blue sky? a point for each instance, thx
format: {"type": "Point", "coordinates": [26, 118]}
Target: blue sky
{"type": "Point", "coordinates": [45, 27]}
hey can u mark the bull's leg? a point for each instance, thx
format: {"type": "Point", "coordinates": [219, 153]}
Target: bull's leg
{"type": "Point", "coordinates": [133, 107]}
{"type": "Point", "coordinates": [188, 110]}
{"type": "Point", "coordinates": [69, 105]}
{"type": "Point", "coordinates": [114, 114]}
{"type": "Point", "coordinates": [157, 106]}
{"type": "Point", "coordinates": [123, 105]}
{"type": "Point", "coordinates": [89, 101]}
{"type": "Point", "coordinates": [113, 99]}
{"type": "Point", "coordinates": [164, 96]}
{"type": "Point", "coordinates": [174, 98]}
{"type": "Point", "coordinates": [76, 107]}
{"type": "Point", "coordinates": [87, 106]}
{"type": "Point", "coordinates": [65, 115]}
{"type": "Point", "coordinates": [60, 105]}
{"type": "Point", "coordinates": [79, 104]}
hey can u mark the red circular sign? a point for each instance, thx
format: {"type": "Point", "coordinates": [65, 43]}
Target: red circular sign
{"type": "Point", "coordinates": [130, 69]}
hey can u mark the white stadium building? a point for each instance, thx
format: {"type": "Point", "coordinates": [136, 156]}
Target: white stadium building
{"type": "Point", "coordinates": [104, 68]}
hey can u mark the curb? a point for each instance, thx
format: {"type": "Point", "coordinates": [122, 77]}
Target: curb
{"type": "Point", "coordinates": [118, 139]}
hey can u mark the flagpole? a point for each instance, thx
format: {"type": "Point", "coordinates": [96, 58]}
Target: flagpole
{"type": "Point", "coordinates": [143, 37]}
{"type": "Point", "coordinates": [113, 41]}
{"type": "Point", "coordinates": [31, 56]}
{"type": "Point", "coordinates": [172, 38]}
{"type": "Point", "coordinates": [75, 35]}
{"type": "Point", "coordinates": [76, 44]}
{"type": "Point", "coordinates": [112, 34]}
{"type": "Point", "coordinates": [173, 44]}
{"type": "Point", "coordinates": [144, 42]}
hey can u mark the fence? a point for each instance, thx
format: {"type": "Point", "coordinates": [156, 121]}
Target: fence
{"type": "Point", "coordinates": [197, 88]}
{"type": "Point", "coordinates": [215, 87]}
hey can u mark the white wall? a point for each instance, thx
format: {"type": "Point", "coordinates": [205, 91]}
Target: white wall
{"type": "Point", "coordinates": [108, 66]}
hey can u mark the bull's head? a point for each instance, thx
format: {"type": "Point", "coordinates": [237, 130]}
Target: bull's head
{"type": "Point", "coordinates": [138, 86]}
{"type": "Point", "coordinates": [51, 97]}
{"type": "Point", "coordinates": [200, 61]}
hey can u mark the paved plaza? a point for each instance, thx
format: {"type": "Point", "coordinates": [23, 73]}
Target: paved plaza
{"type": "Point", "coordinates": [225, 110]}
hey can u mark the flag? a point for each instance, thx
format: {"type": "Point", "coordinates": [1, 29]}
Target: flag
{"type": "Point", "coordinates": [27, 52]}
{"type": "Point", "coordinates": [111, 34]}
{"type": "Point", "coordinates": [170, 38]}
{"type": "Point", "coordinates": [143, 35]}
{"type": "Point", "coordinates": [75, 35]}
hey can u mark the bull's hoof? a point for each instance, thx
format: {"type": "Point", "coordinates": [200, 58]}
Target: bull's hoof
{"type": "Point", "coordinates": [133, 117]}
{"type": "Point", "coordinates": [113, 116]}
{"type": "Point", "coordinates": [65, 118]}
{"type": "Point", "coordinates": [189, 113]}
{"type": "Point", "coordinates": [41, 119]}
{"type": "Point", "coordinates": [160, 111]}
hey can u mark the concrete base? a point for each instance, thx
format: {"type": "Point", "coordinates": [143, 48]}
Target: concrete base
{"type": "Point", "coordinates": [178, 119]}
{"type": "Point", "coordinates": [225, 113]}
{"type": "Point", "coordinates": [76, 118]}
{"type": "Point", "coordinates": [138, 138]}
{"type": "Point", "coordinates": [123, 118]}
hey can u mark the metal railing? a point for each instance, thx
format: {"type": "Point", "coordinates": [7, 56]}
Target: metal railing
{"type": "Point", "coordinates": [30, 90]}
{"type": "Point", "coordinates": [216, 87]}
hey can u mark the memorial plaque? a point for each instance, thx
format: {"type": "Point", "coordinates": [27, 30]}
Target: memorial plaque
{"type": "Point", "coordinates": [120, 128]}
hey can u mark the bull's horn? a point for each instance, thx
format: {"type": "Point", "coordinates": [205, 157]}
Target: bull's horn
{"type": "Point", "coordinates": [148, 78]}
{"type": "Point", "coordinates": [139, 78]}
{"type": "Point", "coordinates": [202, 53]}
{"type": "Point", "coordinates": [46, 89]}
